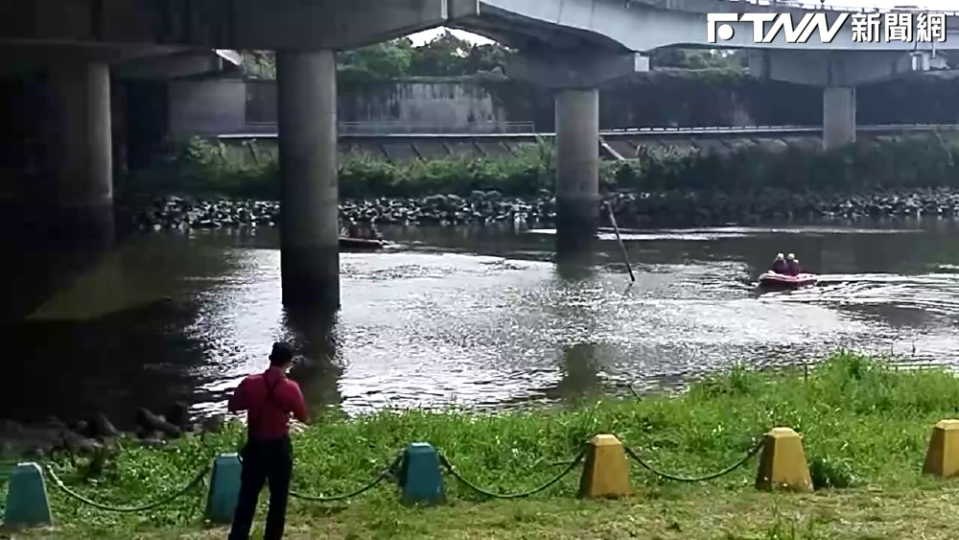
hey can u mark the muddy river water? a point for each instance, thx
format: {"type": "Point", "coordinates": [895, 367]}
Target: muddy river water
{"type": "Point", "coordinates": [481, 318]}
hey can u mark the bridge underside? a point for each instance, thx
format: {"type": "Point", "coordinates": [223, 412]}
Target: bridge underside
{"type": "Point", "coordinates": [28, 59]}
{"type": "Point", "coordinates": [67, 50]}
{"type": "Point", "coordinates": [64, 102]}
{"type": "Point", "coordinates": [527, 33]}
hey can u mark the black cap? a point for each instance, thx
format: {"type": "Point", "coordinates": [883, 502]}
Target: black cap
{"type": "Point", "coordinates": [281, 354]}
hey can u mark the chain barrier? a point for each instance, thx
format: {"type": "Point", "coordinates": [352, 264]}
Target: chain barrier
{"type": "Point", "coordinates": [749, 455]}
{"type": "Point", "coordinates": [569, 467]}
{"type": "Point", "coordinates": [199, 478]}
{"type": "Point", "coordinates": [383, 475]}
{"type": "Point", "coordinates": [393, 468]}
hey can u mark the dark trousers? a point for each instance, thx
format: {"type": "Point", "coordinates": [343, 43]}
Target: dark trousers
{"type": "Point", "coordinates": [262, 461]}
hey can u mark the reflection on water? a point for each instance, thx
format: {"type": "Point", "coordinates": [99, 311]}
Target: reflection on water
{"type": "Point", "coordinates": [482, 318]}
{"type": "Point", "coordinates": [314, 335]}
{"type": "Point", "coordinates": [575, 258]}
{"type": "Point", "coordinates": [580, 367]}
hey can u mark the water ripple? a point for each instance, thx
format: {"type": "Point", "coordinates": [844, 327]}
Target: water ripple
{"type": "Point", "coordinates": [495, 323]}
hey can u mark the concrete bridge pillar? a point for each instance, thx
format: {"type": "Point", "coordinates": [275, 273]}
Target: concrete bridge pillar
{"type": "Point", "coordinates": [838, 73]}
{"type": "Point", "coordinates": [575, 79]}
{"type": "Point", "coordinates": [309, 224]}
{"type": "Point", "coordinates": [838, 116]}
{"type": "Point", "coordinates": [577, 158]}
{"type": "Point", "coordinates": [79, 142]}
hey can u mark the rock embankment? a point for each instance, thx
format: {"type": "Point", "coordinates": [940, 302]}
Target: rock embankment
{"type": "Point", "coordinates": [490, 207]}
{"type": "Point", "coordinates": [92, 434]}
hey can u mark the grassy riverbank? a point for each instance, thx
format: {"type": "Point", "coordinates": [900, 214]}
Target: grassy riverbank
{"type": "Point", "coordinates": [200, 167]}
{"type": "Point", "coordinates": [865, 425]}
{"type": "Point", "coordinates": [706, 513]}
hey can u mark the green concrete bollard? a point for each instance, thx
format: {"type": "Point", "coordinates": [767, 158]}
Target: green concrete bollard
{"type": "Point", "coordinates": [224, 489]}
{"type": "Point", "coordinates": [27, 502]}
{"type": "Point", "coordinates": [420, 476]}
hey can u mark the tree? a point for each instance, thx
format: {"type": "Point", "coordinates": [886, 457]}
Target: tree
{"type": "Point", "coordinates": [450, 56]}
{"type": "Point", "coordinates": [491, 58]}
{"type": "Point", "coordinates": [672, 57]}
{"type": "Point", "coordinates": [444, 56]}
{"type": "Point", "coordinates": [259, 64]}
{"type": "Point", "coordinates": [387, 60]}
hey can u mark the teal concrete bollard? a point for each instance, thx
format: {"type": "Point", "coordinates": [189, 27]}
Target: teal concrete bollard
{"type": "Point", "coordinates": [224, 489]}
{"type": "Point", "coordinates": [420, 476]}
{"type": "Point", "coordinates": [27, 502]}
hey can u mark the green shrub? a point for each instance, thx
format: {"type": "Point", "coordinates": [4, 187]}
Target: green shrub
{"type": "Point", "coordinates": [200, 167]}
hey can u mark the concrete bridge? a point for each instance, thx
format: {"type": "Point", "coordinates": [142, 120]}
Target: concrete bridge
{"type": "Point", "coordinates": [570, 46]}
{"type": "Point", "coordinates": [612, 33]}
{"type": "Point", "coordinates": [614, 145]}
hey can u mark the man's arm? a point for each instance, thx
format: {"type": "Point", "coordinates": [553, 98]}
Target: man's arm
{"type": "Point", "coordinates": [298, 404]}
{"type": "Point", "coordinates": [238, 399]}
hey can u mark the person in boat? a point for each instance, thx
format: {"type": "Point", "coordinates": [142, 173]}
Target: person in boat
{"type": "Point", "coordinates": [792, 265]}
{"type": "Point", "coordinates": [371, 232]}
{"type": "Point", "coordinates": [779, 265]}
{"type": "Point", "coordinates": [353, 230]}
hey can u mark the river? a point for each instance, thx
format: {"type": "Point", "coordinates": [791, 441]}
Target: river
{"type": "Point", "coordinates": [478, 318]}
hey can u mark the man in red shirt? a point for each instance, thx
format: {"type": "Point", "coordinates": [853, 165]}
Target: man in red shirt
{"type": "Point", "coordinates": [269, 398]}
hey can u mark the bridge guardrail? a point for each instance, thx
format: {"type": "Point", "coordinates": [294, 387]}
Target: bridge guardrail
{"type": "Point", "coordinates": [408, 127]}
{"type": "Point", "coordinates": [387, 128]}
{"type": "Point", "coordinates": [619, 132]}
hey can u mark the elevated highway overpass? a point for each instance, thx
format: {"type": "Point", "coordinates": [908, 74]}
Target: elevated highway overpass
{"type": "Point", "coordinates": [570, 46]}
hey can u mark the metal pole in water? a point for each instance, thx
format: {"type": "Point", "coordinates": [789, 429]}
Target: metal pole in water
{"type": "Point", "coordinates": [622, 246]}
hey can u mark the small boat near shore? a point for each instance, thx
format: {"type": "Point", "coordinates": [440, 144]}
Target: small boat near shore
{"type": "Point", "coordinates": [775, 280]}
{"type": "Point", "coordinates": [363, 244]}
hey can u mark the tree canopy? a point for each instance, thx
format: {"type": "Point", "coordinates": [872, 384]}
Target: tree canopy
{"type": "Point", "coordinates": [450, 56]}
{"type": "Point", "coordinates": [445, 56]}
{"type": "Point", "coordinates": [672, 57]}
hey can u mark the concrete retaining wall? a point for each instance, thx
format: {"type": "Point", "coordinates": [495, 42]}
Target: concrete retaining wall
{"type": "Point", "coordinates": [488, 104]}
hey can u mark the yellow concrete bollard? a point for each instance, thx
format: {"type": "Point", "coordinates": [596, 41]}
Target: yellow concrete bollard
{"type": "Point", "coordinates": [606, 472]}
{"type": "Point", "coordinates": [783, 462]}
{"type": "Point", "coordinates": [942, 457]}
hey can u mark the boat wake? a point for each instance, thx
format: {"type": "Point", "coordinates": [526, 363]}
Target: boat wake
{"type": "Point", "coordinates": [932, 294]}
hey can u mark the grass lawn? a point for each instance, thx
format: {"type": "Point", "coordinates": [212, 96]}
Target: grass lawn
{"type": "Point", "coordinates": [702, 512]}
{"type": "Point", "coordinates": [865, 427]}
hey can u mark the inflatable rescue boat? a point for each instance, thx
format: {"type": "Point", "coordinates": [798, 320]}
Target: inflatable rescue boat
{"type": "Point", "coordinates": [772, 279]}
